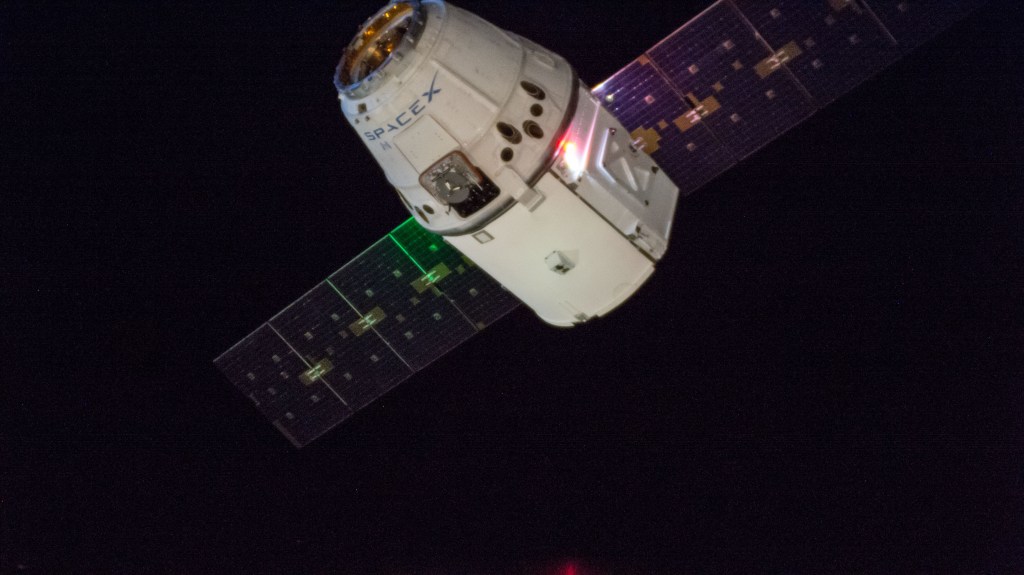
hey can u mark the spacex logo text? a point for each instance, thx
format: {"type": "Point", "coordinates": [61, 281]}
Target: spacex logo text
{"type": "Point", "coordinates": [407, 116]}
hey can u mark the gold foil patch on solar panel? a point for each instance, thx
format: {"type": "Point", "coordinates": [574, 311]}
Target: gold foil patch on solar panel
{"type": "Point", "coordinates": [431, 278]}
{"type": "Point", "coordinates": [686, 121]}
{"type": "Point", "coordinates": [367, 322]}
{"type": "Point", "coordinates": [771, 64]}
{"type": "Point", "coordinates": [704, 107]}
{"type": "Point", "coordinates": [701, 109]}
{"type": "Point", "coordinates": [650, 138]}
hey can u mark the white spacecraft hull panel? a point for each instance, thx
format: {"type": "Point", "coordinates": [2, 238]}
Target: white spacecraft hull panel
{"type": "Point", "coordinates": [523, 250]}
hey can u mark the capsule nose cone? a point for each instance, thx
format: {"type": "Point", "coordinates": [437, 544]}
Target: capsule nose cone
{"type": "Point", "coordinates": [375, 42]}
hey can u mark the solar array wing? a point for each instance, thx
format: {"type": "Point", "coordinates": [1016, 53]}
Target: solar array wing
{"type": "Point", "coordinates": [406, 301]}
{"type": "Point", "coordinates": [743, 72]}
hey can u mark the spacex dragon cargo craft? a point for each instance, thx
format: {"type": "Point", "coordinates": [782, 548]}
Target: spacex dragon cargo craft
{"type": "Point", "coordinates": [492, 142]}
{"type": "Point", "coordinates": [526, 186]}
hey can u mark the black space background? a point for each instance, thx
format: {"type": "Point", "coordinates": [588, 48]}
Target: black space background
{"type": "Point", "coordinates": [824, 375]}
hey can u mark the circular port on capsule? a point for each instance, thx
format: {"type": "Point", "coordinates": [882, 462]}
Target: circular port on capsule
{"type": "Point", "coordinates": [509, 132]}
{"type": "Point", "coordinates": [533, 129]}
{"type": "Point", "coordinates": [533, 90]}
{"type": "Point", "coordinates": [536, 110]}
{"type": "Point", "coordinates": [507, 154]}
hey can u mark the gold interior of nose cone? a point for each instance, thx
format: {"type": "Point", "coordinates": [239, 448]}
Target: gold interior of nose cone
{"type": "Point", "coordinates": [376, 41]}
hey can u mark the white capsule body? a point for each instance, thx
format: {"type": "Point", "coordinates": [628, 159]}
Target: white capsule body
{"type": "Point", "coordinates": [492, 142]}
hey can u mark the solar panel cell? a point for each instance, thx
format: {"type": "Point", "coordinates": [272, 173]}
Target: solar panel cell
{"type": "Point", "coordinates": [359, 368]}
{"type": "Point", "coordinates": [388, 313]}
{"type": "Point", "coordinates": [475, 293]}
{"type": "Point", "coordinates": [413, 316]}
{"type": "Point", "coordinates": [913, 22]}
{"type": "Point", "coordinates": [745, 71]}
{"type": "Point", "coordinates": [830, 47]}
{"type": "Point", "coordinates": [267, 371]}
{"type": "Point", "coordinates": [718, 63]}
{"type": "Point", "coordinates": [641, 98]}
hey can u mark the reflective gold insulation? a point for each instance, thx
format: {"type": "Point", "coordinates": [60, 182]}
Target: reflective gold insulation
{"type": "Point", "coordinates": [375, 42]}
